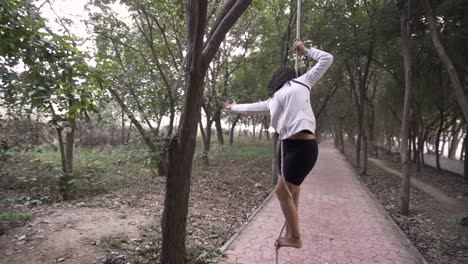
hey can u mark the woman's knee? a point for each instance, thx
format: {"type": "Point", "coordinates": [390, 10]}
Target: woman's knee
{"type": "Point", "coordinates": [281, 192]}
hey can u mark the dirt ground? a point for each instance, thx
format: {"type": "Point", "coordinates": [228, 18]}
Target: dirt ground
{"type": "Point", "coordinates": [433, 225]}
{"type": "Point", "coordinates": [124, 226]}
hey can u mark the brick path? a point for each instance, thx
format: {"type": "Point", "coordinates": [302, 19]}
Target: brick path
{"type": "Point", "coordinates": [340, 223]}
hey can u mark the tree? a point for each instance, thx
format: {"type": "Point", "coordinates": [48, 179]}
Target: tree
{"type": "Point", "coordinates": [407, 58]}
{"type": "Point", "coordinates": [182, 146]}
{"type": "Point", "coordinates": [454, 78]}
{"type": "Point", "coordinates": [55, 80]}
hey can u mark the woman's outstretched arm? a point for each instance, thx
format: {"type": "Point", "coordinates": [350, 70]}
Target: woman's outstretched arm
{"type": "Point", "coordinates": [260, 108]}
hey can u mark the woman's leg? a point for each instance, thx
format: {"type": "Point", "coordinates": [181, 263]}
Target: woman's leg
{"type": "Point", "coordinates": [290, 213]}
{"type": "Point", "coordinates": [295, 195]}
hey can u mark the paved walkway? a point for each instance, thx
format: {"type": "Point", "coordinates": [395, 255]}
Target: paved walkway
{"type": "Point", "coordinates": [340, 223]}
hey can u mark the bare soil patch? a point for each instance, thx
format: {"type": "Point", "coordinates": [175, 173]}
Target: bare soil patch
{"type": "Point", "coordinates": [123, 226]}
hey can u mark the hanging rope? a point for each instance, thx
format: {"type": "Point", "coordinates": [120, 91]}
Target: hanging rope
{"type": "Point", "coordinates": [298, 35]}
{"type": "Point", "coordinates": [296, 67]}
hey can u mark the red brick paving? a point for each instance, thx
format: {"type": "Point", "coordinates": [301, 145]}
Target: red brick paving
{"type": "Point", "coordinates": [340, 223]}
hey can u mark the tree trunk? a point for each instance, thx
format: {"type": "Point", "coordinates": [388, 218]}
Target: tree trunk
{"type": "Point", "coordinates": [465, 158]}
{"type": "Point", "coordinates": [444, 141]}
{"type": "Point", "coordinates": [254, 125]}
{"type": "Point", "coordinates": [413, 142]}
{"type": "Point", "coordinates": [437, 141]}
{"type": "Point", "coordinates": [454, 79]}
{"type": "Point", "coordinates": [405, 163]}
{"type": "Point", "coordinates": [274, 159]}
{"type": "Point", "coordinates": [359, 138]}
{"type": "Point", "coordinates": [231, 131]}
{"type": "Point", "coordinates": [462, 154]}
{"type": "Point", "coordinates": [455, 140]}
{"type": "Point", "coordinates": [123, 127]}
{"type": "Point", "coordinates": [129, 133]}
{"type": "Point", "coordinates": [219, 128]}
{"type": "Point", "coordinates": [66, 152]}
{"type": "Point", "coordinates": [260, 133]}
{"type": "Point", "coordinates": [365, 149]}
{"type": "Point", "coordinates": [182, 146]}
{"type": "Point", "coordinates": [69, 144]}
{"type": "Point", "coordinates": [63, 181]}
{"type": "Point", "coordinates": [204, 151]}
{"type": "Point", "coordinates": [340, 135]}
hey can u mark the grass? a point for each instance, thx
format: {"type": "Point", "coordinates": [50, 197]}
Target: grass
{"type": "Point", "coordinates": [96, 170]}
{"type": "Point", "coordinates": [34, 174]}
{"type": "Point", "coordinates": [10, 219]}
{"type": "Point", "coordinates": [105, 169]}
{"type": "Point", "coordinates": [243, 150]}
{"type": "Point", "coordinates": [114, 241]}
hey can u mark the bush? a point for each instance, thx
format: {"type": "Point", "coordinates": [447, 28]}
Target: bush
{"type": "Point", "coordinates": [11, 219]}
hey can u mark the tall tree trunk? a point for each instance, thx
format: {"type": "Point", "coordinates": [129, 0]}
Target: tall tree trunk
{"type": "Point", "coordinates": [66, 152]}
{"type": "Point", "coordinates": [340, 135]}
{"type": "Point", "coordinates": [437, 141]}
{"type": "Point", "coordinates": [267, 133]}
{"type": "Point", "coordinates": [365, 149]}
{"type": "Point", "coordinates": [69, 145]}
{"type": "Point", "coordinates": [359, 135]}
{"type": "Point", "coordinates": [261, 131]}
{"type": "Point", "coordinates": [254, 125]}
{"type": "Point", "coordinates": [455, 140]}
{"type": "Point", "coordinates": [462, 154]}
{"type": "Point", "coordinates": [405, 163]}
{"type": "Point", "coordinates": [123, 127]}
{"type": "Point", "coordinates": [232, 129]}
{"type": "Point", "coordinates": [444, 141]}
{"type": "Point", "coordinates": [413, 142]}
{"type": "Point", "coordinates": [63, 181]}
{"type": "Point", "coordinates": [129, 133]}
{"type": "Point", "coordinates": [182, 146]}
{"type": "Point", "coordinates": [454, 78]}
{"type": "Point", "coordinates": [219, 128]}
{"type": "Point", "coordinates": [274, 159]}
{"type": "Point", "coordinates": [204, 138]}
{"type": "Point", "coordinates": [465, 158]}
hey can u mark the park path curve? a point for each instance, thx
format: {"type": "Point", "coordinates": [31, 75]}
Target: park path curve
{"type": "Point", "coordinates": [341, 222]}
{"type": "Point", "coordinates": [451, 204]}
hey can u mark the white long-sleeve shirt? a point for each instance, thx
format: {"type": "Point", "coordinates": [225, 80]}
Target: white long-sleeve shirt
{"type": "Point", "coordinates": [290, 107]}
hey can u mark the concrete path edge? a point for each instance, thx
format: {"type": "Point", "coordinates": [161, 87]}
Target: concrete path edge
{"type": "Point", "coordinates": [239, 231]}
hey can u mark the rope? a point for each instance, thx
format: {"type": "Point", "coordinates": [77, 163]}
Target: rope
{"type": "Point", "coordinates": [296, 66]}
{"type": "Point", "coordinates": [298, 34]}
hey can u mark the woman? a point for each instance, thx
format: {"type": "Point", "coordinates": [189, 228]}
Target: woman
{"type": "Point", "coordinates": [292, 117]}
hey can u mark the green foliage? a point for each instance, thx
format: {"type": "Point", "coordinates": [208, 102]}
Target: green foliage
{"type": "Point", "coordinates": [200, 254]}
{"type": "Point", "coordinates": [97, 171]}
{"type": "Point", "coordinates": [11, 219]}
{"type": "Point", "coordinates": [244, 149]}
{"type": "Point", "coordinates": [114, 240]}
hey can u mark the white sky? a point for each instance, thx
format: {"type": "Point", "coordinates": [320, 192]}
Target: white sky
{"type": "Point", "coordinates": [75, 11]}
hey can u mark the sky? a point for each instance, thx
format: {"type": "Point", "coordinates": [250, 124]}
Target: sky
{"type": "Point", "coordinates": [75, 11]}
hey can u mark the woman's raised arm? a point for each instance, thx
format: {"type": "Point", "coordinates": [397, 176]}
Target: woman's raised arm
{"type": "Point", "coordinates": [324, 61]}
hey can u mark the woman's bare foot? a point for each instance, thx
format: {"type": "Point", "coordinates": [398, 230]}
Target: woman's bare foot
{"type": "Point", "coordinates": [294, 242]}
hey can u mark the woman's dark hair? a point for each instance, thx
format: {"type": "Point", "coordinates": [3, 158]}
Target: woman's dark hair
{"type": "Point", "coordinates": [279, 78]}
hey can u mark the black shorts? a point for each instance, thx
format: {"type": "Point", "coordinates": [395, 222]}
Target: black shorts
{"type": "Point", "coordinates": [299, 157]}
